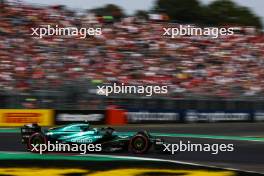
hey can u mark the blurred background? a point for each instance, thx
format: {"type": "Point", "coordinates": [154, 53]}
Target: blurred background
{"type": "Point", "coordinates": [63, 73]}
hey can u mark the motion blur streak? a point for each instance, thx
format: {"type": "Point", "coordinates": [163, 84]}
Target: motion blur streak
{"type": "Point", "coordinates": [136, 172]}
{"type": "Point", "coordinates": [39, 171]}
{"type": "Point", "coordinates": [124, 172]}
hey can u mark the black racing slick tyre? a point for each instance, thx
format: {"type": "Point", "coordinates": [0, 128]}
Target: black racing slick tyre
{"type": "Point", "coordinates": [139, 144]}
{"type": "Point", "coordinates": [35, 140]}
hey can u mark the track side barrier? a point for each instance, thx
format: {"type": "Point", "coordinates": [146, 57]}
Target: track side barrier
{"type": "Point", "coordinates": [19, 117]}
{"type": "Point", "coordinates": [115, 116]}
{"type": "Point", "coordinates": [75, 116]}
{"type": "Point", "coordinates": [110, 116]}
{"type": "Point", "coordinates": [191, 116]}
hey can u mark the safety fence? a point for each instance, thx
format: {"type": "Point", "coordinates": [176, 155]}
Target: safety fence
{"type": "Point", "coordinates": [118, 116]}
{"type": "Point", "coordinates": [80, 100]}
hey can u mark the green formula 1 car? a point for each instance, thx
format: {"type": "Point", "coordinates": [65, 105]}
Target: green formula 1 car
{"type": "Point", "coordinates": [83, 133]}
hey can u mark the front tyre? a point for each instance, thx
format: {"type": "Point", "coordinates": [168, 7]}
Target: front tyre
{"type": "Point", "coordinates": [139, 144]}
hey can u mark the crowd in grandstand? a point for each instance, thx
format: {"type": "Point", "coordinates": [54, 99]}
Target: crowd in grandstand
{"type": "Point", "coordinates": [130, 51]}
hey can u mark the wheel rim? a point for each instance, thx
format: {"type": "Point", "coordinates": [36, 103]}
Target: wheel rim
{"type": "Point", "coordinates": [139, 144]}
{"type": "Point", "coordinates": [37, 140]}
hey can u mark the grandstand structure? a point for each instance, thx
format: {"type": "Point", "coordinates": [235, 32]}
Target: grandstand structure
{"type": "Point", "coordinates": [63, 72]}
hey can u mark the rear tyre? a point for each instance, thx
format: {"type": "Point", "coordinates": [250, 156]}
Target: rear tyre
{"type": "Point", "coordinates": [34, 140]}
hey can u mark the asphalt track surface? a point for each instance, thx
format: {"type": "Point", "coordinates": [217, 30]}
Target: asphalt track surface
{"type": "Point", "coordinates": [247, 156]}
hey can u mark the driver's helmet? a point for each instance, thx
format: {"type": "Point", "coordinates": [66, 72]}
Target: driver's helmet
{"type": "Point", "coordinates": [85, 127]}
{"type": "Point", "coordinates": [87, 122]}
